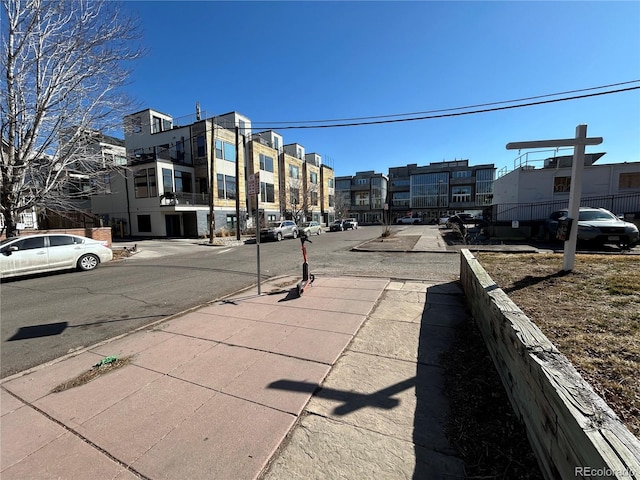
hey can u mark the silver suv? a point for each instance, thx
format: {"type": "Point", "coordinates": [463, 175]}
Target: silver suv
{"type": "Point", "coordinates": [279, 230]}
{"type": "Point", "coordinates": [598, 226]}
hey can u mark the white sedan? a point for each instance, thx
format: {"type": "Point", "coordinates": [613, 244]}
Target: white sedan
{"type": "Point", "coordinates": [48, 252]}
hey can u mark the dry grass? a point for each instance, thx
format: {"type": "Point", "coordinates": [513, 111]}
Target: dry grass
{"type": "Point", "coordinates": [93, 373]}
{"type": "Point", "coordinates": [591, 314]}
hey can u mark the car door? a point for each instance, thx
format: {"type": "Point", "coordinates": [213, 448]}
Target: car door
{"type": "Point", "coordinates": [64, 250]}
{"type": "Point", "coordinates": [30, 256]}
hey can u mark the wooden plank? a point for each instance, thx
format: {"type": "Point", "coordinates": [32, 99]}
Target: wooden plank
{"type": "Point", "coordinates": [568, 424]}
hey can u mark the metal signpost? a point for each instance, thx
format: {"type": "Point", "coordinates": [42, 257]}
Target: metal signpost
{"type": "Point", "coordinates": [253, 186]}
{"type": "Point", "coordinates": [575, 190]}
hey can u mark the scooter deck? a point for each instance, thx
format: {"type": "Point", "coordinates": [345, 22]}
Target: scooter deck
{"type": "Point", "coordinates": [304, 284]}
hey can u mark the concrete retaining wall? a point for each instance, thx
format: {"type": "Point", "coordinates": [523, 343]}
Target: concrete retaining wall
{"type": "Point", "coordinates": [573, 432]}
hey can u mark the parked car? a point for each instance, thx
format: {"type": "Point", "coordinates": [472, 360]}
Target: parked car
{"type": "Point", "coordinates": [596, 225]}
{"type": "Point", "coordinates": [49, 252]}
{"type": "Point", "coordinates": [408, 221]}
{"type": "Point", "coordinates": [337, 226]}
{"type": "Point", "coordinates": [279, 230]}
{"type": "Point", "coordinates": [462, 219]}
{"type": "Point", "coordinates": [310, 228]}
{"type": "Point", "coordinates": [350, 223]}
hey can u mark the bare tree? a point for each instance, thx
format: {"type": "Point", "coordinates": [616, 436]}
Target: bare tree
{"type": "Point", "coordinates": [64, 63]}
{"type": "Point", "coordinates": [342, 205]}
{"type": "Point", "coordinates": [299, 201]}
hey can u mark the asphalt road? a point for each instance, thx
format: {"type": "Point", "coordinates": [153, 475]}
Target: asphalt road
{"type": "Point", "coordinates": [46, 316]}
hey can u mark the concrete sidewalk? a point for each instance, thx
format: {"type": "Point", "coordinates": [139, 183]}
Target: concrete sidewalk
{"type": "Point", "coordinates": [343, 382]}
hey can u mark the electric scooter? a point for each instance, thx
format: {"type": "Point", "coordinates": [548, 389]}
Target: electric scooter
{"type": "Point", "coordinates": [307, 278]}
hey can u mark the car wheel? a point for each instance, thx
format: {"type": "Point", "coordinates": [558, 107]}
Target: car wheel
{"type": "Point", "coordinates": [279, 236]}
{"type": "Point", "coordinates": [319, 231]}
{"type": "Point", "coordinates": [295, 234]}
{"type": "Point", "coordinates": [88, 262]}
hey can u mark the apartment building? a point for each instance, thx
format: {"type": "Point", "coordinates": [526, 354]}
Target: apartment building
{"type": "Point", "coordinates": [363, 196]}
{"type": "Point", "coordinates": [165, 192]}
{"type": "Point", "coordinates": [293, 200]}
{"type": "Point", "coordinates": [440, 189]}
{"type": "Point", "coordinates": [180, 171]}
{"type": "Point", "coordinates": [264, 153]}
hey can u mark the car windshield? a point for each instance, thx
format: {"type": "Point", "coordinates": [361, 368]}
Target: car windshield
{"type": "Point", "coordinates": [274, 224]}
{"type": "Point", "coordinates": [590, 215]}
{"type": "Point", "coordinates": [305, 224]}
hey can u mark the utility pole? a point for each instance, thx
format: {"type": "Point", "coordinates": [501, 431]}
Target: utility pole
{"type": "Point", "coordinates": [575, 190]}
{"type": "Point", "coordinates": [212, 160]}
{"type": "Point", "coordinates": [238, 182]}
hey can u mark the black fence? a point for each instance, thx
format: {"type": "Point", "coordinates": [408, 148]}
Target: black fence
{"type": "Point", "coordinates": [627, 205]}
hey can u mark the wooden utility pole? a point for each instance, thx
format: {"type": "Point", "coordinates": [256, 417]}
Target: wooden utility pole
{"type": "Point", "coordinates": [212, 161]}
{"type": "Point", "coordinates": [238, 182]}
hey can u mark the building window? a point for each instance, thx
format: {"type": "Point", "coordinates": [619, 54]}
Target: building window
{"type": "Point", "coordinates": [330, 182]}
{"type": "Point", "coordinates": [629, 180]}
{"type": "Point", "coordinates": [229, 152]}
{"type": "Point", "coordinates": [267, 192]}
{"type": "Point", "coordinates": [332, 201]}
{"type": "Point", "coordinates": [266, 163]}
{"type": "Point", "coordinates": [144, 223]}
{"type": "Point", "coordinates": [461, 174]}
{"type": "Point", "coordinates": [400, 199]}
{"type": "Point", "coordinates": [343, 184]}
{"type": "Point", "coordinates": [313, 178]}
{"type": "Point", "coordinates": [362, 181]}
{"type": "Point", "coordinates": [484, 186]}
{"type": "Point", "coordinates": [180, 150]}
{"type": "Point", "coordinates": [218, 148]}
{"type": "Point", "coordinates": [429, 190]}
{"type": "Point", "coordinates": [460, 194]}
{"type": "Point", "coordinates": [314, 198]}
{"type": "Point", "coordinates": [137, 125]}
{"type": "Point", "coordinates": [561, 184]}
{"type": "Point", "coordinates": [294, 171]}
{"type": "Point", "coordinates": [362, 198]}
{"type": "Point", "coordinates": [167, 180]}
{"type": "Point", "coordinates": [226, 187]}
{"type": "Point", "coordinates": [183, 182]}
{"type": "Point", "coordinates": [202, 150]}
{"type": "Point", "coordinates": [144, 182]}
{"type": "Point", "coordinates": [232, 221]}
{"type": "Point", "coordinates": [294, 196]}
{"type": "Point", "coordinates": [156, 124]}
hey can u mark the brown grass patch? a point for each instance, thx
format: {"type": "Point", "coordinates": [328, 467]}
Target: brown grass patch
{"type": "Point", "coordinates": [591, 314]}
{"type": "Point", "coordinates": [93, 373]}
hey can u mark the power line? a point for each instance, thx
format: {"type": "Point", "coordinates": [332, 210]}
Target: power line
{"type": "Point", "coordinates": [454, 108]}
{"type": "Point", "coordinates": [442, 115]}
{"type": "Point", "coordinates": [457, 114]}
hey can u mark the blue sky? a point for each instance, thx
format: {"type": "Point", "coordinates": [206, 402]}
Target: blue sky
{"type": "Point", "coordinates": [319, 60]}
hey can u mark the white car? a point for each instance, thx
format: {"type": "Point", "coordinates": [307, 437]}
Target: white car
{"type": "Point", "coordinates": [307, 228]}
{"type": "Point", "coordinates": [49, 252]}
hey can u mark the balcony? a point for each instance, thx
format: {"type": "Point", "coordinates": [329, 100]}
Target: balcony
{"type": "Point", "coordinates": [173, 199]}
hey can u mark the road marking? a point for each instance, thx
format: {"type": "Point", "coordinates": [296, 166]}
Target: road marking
{"type": "Point", "coordinates": [225, 250]}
